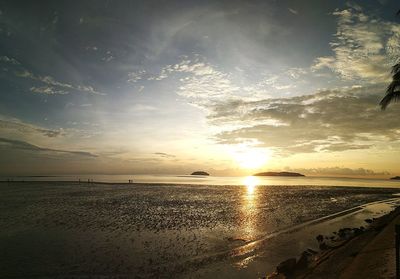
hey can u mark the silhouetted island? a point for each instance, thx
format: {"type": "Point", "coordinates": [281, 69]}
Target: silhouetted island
{"type": "Point", "coordinates": [199, 173]}
{"type": "Point", "coordinates": [395, 178]}
{"type": "Point", "coordinates": [282, 173]}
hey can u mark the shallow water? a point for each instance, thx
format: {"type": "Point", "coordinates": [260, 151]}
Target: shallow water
{"type": "Point", "coordinates": [148, 230]}
{"type": "Point", "coordinates": [217, 180]}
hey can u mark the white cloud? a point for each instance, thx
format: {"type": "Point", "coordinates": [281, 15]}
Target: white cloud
{"type": "Point", "coordinates": [134, 77]}
{"type": "Point", "coordinates": [201, 83]}
{"type": "Point", "coordinates": [363, 47]}
{"type": "Point", "coordinates": [49, 90]}
{"type": "Point", "coordinates": [7, 59]}
{"type": "Point", "coordinates": [323, 62]}
{"type": "Point", "coordinates": [53, 86]}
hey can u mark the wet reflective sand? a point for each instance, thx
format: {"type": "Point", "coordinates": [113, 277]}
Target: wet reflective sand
{"type": "Point", "coordinates": [51, 228]}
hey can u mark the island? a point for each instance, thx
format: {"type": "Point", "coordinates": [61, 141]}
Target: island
{"type": "Point", "coordinates": [282, 173]}
{"type": "Point", "coordinates": [200, 173]}
{"type": "Point", "coordinates": [395, 178]}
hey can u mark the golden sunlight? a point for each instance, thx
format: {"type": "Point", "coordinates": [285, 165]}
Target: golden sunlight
{"type": "Point", "coordinates": [250, 182]}
{"type": "Point", "coordinates": [251, 158]}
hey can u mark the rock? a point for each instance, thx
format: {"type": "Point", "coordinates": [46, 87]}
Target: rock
{"type": "Point", "coordinates": [311, 251]}
{"type": "Point", "coordinates": [287, 267]}
{"type": "Point", "coordinates": [276, 275]}
{"type": "Point", "coordinates": [323, 246]}
{"type": "Point", "coordinates": [320, 238]}
{"type": "Point", "coordinates": [357, 231]}
{"type": "Point", "coordinates": [344, 232]}
{"type": "Point", "coordinates": [303, 261]}
{"type": "Point", "coordinates": [200, 173]}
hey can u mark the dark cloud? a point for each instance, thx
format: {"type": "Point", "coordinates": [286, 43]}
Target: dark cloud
{"type": "Point", "coordinates": [26, 129]}
{"type": "Point", "coordinates": [332, 120]}
{"type": "Point", "coordinates": [10, 144]}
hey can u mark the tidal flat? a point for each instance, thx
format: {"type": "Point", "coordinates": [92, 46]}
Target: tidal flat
{"type": "Point", "coordinates": [110, 230]}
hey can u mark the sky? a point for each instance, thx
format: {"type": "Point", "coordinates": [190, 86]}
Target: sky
{"type": "Point", "coordinates": [170, 87]}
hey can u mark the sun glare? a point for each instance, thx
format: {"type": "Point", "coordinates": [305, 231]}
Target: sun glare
{"type": "Point", "coordinates": [251, 158]}
{"type": "Point", "coordinates": [251, 182]}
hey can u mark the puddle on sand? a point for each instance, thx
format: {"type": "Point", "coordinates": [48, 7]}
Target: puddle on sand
{"type": "Point", "coordinates": [262, 256]}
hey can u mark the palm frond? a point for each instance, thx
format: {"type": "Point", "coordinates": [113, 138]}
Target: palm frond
{"type": "Point", "coordinates": [390, 97]}
{"type": "Point", "coordinates": [396, 68]}
{"type": "Point", "coordinates": [393, 86]}
{"type": "Point", "coordinates": [396, 76]}
{"type": "Point", "coordinates": [392, 92]}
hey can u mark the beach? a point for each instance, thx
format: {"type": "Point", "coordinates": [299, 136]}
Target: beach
{"type": "Point", "coordinates": [368, 255]}
{"type": "Point", "coordinates": [107, 230]}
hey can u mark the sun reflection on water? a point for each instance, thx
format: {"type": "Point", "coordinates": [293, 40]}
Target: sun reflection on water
{"type": "Point", "coordinates": [250, 206]}
{"type": "Point", "coordinates": [251, 182]}
{"type": "Point", "coordinates": [249, 215]}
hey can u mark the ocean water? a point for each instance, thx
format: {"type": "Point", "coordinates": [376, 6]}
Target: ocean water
{"type": "Point", "coordinates": [175, 230]}
{"type": "Point", "coordinates": [216, 180]}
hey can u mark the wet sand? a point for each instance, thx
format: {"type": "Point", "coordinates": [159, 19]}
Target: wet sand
{"type": "Point", "coordinates": [54, 229]}
{"type": "Point", "coordinates": [370, 255]}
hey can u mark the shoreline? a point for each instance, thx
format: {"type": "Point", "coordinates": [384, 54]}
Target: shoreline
{"type": "Point", "coordinates": [369, 253]}
{"type": "Point", "coordinates": [193, 184]}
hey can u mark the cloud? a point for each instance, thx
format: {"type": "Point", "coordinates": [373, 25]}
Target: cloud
{"type": "Point", "coordinates": [338, 171]}
{"type": "Point", "coordinates": [364, 47]}
{"type": "Point", "coordinates": [134, 77]}
{"type": "Point", "coordinates": [164, 155]}
{"type": "Point", "coordinates": [7, 59]}
{"type": "Point", "coordinates": [143, 108]}
{"type": "Point", "coordinates": [327, 121]}
{"type": "Point", "coordinates": [200, 82]}
{"type": "Point", "coordinates": [50, 86]}
{"type": "Point", "coordinates": [49, 90]}
{"type": "Point", "coordinates": [15, 126]}
{"type": "Point", "coordinates": [203, 83]}
{"type": "Point", "coordinates": [10, 144]}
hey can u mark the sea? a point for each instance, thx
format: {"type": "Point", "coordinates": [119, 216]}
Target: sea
{"type": "Point", "coordinates": [214, 180]}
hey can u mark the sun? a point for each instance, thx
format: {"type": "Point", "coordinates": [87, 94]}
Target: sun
{"type": "Point", "coordinates": [251, 158]}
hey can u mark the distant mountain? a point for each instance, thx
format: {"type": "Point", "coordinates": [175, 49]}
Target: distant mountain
{"type": "Point", "coordinates": [395, 178]}
{"type": "Point", "coordinates": [200, 173]}
{"type": "Point", "coordinates": [282, 173]}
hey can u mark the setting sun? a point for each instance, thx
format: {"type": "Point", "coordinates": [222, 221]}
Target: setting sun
{"type": "Point", "coordinates": [251, 158]}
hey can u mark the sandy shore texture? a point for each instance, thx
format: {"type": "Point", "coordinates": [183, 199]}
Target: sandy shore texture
{"type": "Point", "coordinates": [93, 230]}
{"type": "Point", "coordinates": [371, 255]}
